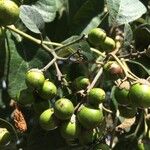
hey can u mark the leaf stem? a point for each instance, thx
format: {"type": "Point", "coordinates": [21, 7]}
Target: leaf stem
{"type": "Point", "coordinates": [29, 37]}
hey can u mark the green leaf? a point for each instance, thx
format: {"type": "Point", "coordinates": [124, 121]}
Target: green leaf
{"type": "Point", "coordinates": [23, 56]}
{"type": "Point", "coordinates": [128, 37]}
{"type": "Point", "coordinates": [47, 8]}
{"type": "Point", "coordinates": [142, 65]}
{"type": "Point", "coordinates": [32, 19]}
{"type": "Point", "coordinates": [82, 46]}
{"type": "Point", "coordinates": [124, 11]}
{"type": "Point", "coordinates": [87, 16]}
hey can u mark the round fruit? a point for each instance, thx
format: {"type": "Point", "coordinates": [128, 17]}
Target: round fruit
{"type": "Point", "coordinates": [81, 82]}
{"type": "Point", "coordinates": [113, 70]}
{"type": "Point", "coordinates": [139, 94]}
{"type": "Point", "coordinates": [47, 120]}
{"type": "Point", "coordinates": [40, 106]}
{"type": "Point", "coordinates": [70, 129]}
{"type": "Point", "coordinates": [96, 96]}
{"type": "Point", "coordinates": [25, 97]}
{"type": "Point", "coordinates": [108, 45]}
{"type": "Point", "coordinates": [143, 145]}
{"type": "Point", "coordinates": [96, 36]}
{"type": "Point", "coordinates": [48, 90]}
{"type": "Point", "coordinates": [9, 12]}
{"type": "Point", "coordinates": [4, 136]}
{"type": "Point", "coordinates": [63, 109]}
{"type": "Point", "coordinates": [121, 93]}
{"type": "Point", "coordinates": [127, 112]}
{"type": "Point", "coordinates": [87, 136]}
{"type": "Point", "coordinates": [35, 79]}
{"type": "Point", "coordinates": [89, 117]}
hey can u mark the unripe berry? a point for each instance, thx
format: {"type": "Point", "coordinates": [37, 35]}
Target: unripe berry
{"type": "Point", "coordinates": [47, 120]}
{"type": "Point", "coordinates": [35, 79]}
{"type": "Point", "coordinates": [48, 90]}
{"type": "Point", "coordinates": [96, 96]}
{"type": "Point", "coordinates": [121, 93]}
{"type": "Point", "coordinates": [89, 117]}
{"type": "Point", "coordinates": [96, 36]}
{"type": "Point", "coordinates": [4, 136]}
{"type": "Point", "coordinates": [108, 45]}
{"type": "Point", "coordinates": [70, 129]}
{"type": "Point", "coordinates": [139, 94]}
{"type": "Point", "coordinates": [9, 12]}
{"type": "Point", "coordinates": [81, 82]}
{"type": "Point", "coordinates": [63, 109]}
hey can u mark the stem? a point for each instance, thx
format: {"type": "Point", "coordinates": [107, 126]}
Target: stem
{"type": "Point", "coordinates": [60, 77]}
{"type": "Point", "coordinates": [29, 37]}
{"type": "Point", "coordinates": [106, 109]}
{"type": "Point", "coordinates": [97, 52]}
{"type": "Point", "coordinates": [70, 43]}
{"type": "Point", "coordinates": [49, 64]}
{"type": "Point", "coordinates": [95, 79]}
{"type": "Point", "coordinates": [113, 132]}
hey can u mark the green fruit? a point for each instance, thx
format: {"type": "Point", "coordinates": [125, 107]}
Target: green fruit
{"type": "Point", "coordinates": [25, 97]}
{"type": "Point", "coordinates": [48, 90]}
{"type": "Point", "coordinates": [96, 96]}
{"type": "Point", "coordinates": [96, 36]}
{"type": "Point", "coordinates": [139, 94]}
{"type": "Point", "coordinates": [89, 117]}
{"type": "Point", "coordinates": [35, 79]}
{"type": "Point", "coordinates": [113, 70]}
{"type": "Point", "coordinates": [9, 12]}
{"type": "Point", "coordinates": [127, 112]}
{"type": "Point", "coordinates": [87, 136]}
{"type": "Point", "coordinates": [41, 106]}
{"type": "Point", "coordinates": [47, 120]}
{"type": "Point", "coordinates": [4, 136]}
{"type": "Point", "coordinates": [63, 109]}
{"type": "Point", "coordinates": [121, 93]}
{"type": "Point", "coordinates": [144, 145]}
{"type": "Point", "coordinates": [108, 45]}
{"type": "Point", "coordinates": [81, 82]}
{"type": "Point", "coordinates": [70, 129]}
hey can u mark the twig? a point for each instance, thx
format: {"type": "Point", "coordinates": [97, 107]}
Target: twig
{"type": "Point", "coordinates": [27, 36]}
{"type": "Point", "coordinates": [95, 79]}
{"type": "Point", "coordinates": [97, 52]}
{"type": "Point", "coordinates": [49, 64]}
{"type": "Point", "coordinates": [70, 43]}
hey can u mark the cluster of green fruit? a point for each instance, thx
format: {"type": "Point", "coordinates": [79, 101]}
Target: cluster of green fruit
{"type": "Point", "coordinates": [9, 12]}
{"type": "Point", "coordinates": [132, 96]}
{"type": "Point", "coordinates": [80, 123]}
{"type": "Point", "coordinates": [77, 124]}
{"type": "Point", "coordinates": [98, 38]}
{"type": "Point", "coordinates": [37, 85]}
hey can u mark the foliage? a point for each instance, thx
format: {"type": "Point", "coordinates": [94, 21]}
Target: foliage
{"type": "Point", "coordinates": [52, 36]}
